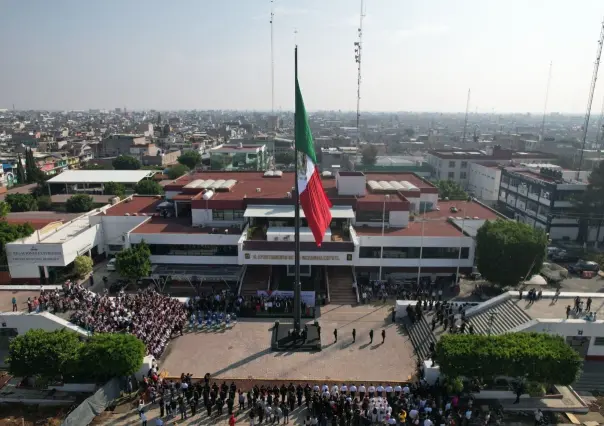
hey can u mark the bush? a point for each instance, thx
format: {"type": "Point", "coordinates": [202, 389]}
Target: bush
{"type": "Point", "coordinates": [80, 203]}
{"type": "Point", "coordinates": [190, 159]}
{"type": "Point", "coordinates": [82, 266]}
{"type": "Point", "coordinates": [148, 187]}
{"type": "Point", "coordinates": [108, 355]}
{"type": "Point", "coordinates": [535, 389]}
{"type": "Point", "coordinates": [454, 385]}
{"type": "Point", "coordinates": [177, 171]}
{"type": "Point", "coordinates": [21, 202]}
{"type": "Point", "coordinates": [44, 203]}
{"type": "Point", "coordinates": [536, 356]}
{"type": "Point", "coordinates": [126, 162]}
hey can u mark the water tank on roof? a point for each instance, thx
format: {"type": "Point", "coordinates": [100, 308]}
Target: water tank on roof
{"type": "Point", "coordinates": [208, 194]}
{"type": "Point", "coordinates": [269, 173]}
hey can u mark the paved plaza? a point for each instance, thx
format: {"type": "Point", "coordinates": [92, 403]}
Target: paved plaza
{"type": "Point", "coordinates": [244, 351]}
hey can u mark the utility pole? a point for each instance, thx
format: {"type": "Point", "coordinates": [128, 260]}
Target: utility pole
{"type": "Point", "coordinates": [590, 98]}
{"type": "Point", "coordinates": [358, 48]}
{"type": "Point", "coordinates": [272, 63]}
{"type": "Point", "coordinates": [465, 124]}
{"type": "Point", "coordinates": [549, 80]}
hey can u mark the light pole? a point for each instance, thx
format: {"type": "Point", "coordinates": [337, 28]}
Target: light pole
{"type": "Point", "coordinates": [386, 198]}
{"type": "Point", "coordinates": [463, 218]}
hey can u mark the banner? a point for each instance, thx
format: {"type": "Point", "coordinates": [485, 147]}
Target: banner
{"type": "Point", "coordinates": [307, 297]}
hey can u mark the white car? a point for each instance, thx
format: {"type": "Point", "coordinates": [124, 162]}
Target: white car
{"type": "Point", "coordinates": [111, 264]}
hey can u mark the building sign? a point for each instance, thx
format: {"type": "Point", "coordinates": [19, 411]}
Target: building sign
{"type": "Point", "coordinates": [34, 254]}
{"type": "Point", "coordinates": [305, 258]}
{"type": "Point", "coordinates": [307, 297]}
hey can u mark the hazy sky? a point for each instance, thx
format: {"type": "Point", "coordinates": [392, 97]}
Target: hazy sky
{"type": "Point", "coordinates": [419, 55]}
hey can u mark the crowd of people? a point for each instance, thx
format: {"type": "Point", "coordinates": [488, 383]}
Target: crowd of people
{"type": "Point", "coordinates": [327, 405]}
{"type": "Point", "coordinates": [152, 317]}
{"type": "Point", "coordinates": [376, 290]}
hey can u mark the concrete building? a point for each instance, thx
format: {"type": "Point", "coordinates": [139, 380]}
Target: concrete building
{"type": "Point", "coordinates": [119, 144]}
{"type": "Point", "coordinates": [244, 222]}
{"type": "Point", "coordinates": [92, 181]}
{"type": "Point", "coordinates": [455, 164]}
{"type": "Point", "coordinates": [483, 182]}
{"type": "Point", "coordinates": [238, 157]}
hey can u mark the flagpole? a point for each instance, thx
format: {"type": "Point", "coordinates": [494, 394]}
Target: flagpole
{"type": "Point", "coordinates": [297, 307]}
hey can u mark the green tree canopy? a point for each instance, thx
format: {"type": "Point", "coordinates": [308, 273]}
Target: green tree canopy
{"type": "Point", "coordinates": [43, 353]}
{"type": "Point", "coordinates": [177, 171]}
{"type": "Point", "coordinates": [21, 202]}
{"type": "Point", "coordinates": [369, 155]}
{"type": "Point", "coordinates": [79, 203]}
{"type": "Point", "coordinates": [33, 173]}
{"type": "Point", "coordinates": [134, 262]}
{"type": "Point", "coordinates": [148, 187]}
{"type": "Point", "coordinates": [507, 251]}
{"type": "Point", "coordinates": [4, 209]}
{"type": "Point", "coordinates": [285, 158]}
{"type": "Point", "coordinates": [589, 206]}
{"type": "Point", "coordinates": [113, 188]}
{"type": "Point", "coordinates": [82, 266]}
{"type": "Point", "coordinates": [191, 159]}
{"type": "Point", "coordinates": [20, 171]}
{"type": "Point", "coordinates": [44, 203]}
{"type": "Point", "coordinates": [12, 232]}
{"type": "Point", "coordinates": [126, 162]}
{"type": "Point", "coordinates": [538, 357]}
{"type": "Point", "coordinates": [451, 190]}
{"type": "Point", "coordinates": [108, 355]}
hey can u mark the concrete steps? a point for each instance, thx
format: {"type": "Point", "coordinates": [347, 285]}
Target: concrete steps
{"type": "Point", "coordinates": [340, 285]}
{"type": "Point", "coordinates": [256, 278]}
{"type": "Point", "coordinates": [592, 377]}
{"type": "Point", "coordinates": [508, 316]}
{"type": "Point", "coordinates": [421, 336]}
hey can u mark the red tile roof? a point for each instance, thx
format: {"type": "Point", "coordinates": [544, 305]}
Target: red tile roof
{"type": "Point", "coordinates": [158, 225]}
{"type": "Point", "coordinates": [37, 224]}
{"type": "Point", "coordinates": [138, 205]}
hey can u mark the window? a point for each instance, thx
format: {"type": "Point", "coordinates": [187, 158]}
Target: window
{"type": "Point", "coordinates": [451, 164]}
{"type": "Point", "coordinates": [192, 250]}
{"type": "Point", "coordinates": [599, 341]}
{"type": "Point", "coordinates": [451, 175]}
{"type": "Point", "coordinates": [464, 164]}
{"type": "Point", "coordinates": [227, 215]}
{"type": "Point", "coordinates": [414, 252]}
{"type": "Point", "coordinates": [462, 175]}
{"type": "Point", "coordinates": [372, 216]}
{"type": "Point", "coordinates": [115, 247]}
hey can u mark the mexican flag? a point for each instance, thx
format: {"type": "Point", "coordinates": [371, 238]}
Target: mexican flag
{"type": "Point", "coordinates": [313, 199]}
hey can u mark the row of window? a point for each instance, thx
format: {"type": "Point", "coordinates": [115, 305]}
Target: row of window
{"type": "Point", "coordinates": [192, 250]}
{"type": "Point", "coordinates": [227, 215]}
{"type": "Point", "coordinates": [414, 252]}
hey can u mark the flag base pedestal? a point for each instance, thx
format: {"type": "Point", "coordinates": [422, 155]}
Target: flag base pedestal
{"type": "Point", "coordinates": [283, 339]}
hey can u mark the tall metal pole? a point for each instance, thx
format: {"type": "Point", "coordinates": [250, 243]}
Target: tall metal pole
{"type": "Point", "coordinates": [465, 122]}
{"type": "Point", "coordinates": [460, 244]}
{"type": "Point", "coordinates": [272, 67]}
{"type": "Point", "coordinates": [590, 98]}
{"type": "Point", "coordinates": [386, 197]}
{"type": "Point", "coordinates": [297, 294]}
{"type": "Point", "coordinates": [549, 80]}
{"type": "Point", "coordinates": [421, 247]}
{"type": "Point", "coordinates": [358, 48]}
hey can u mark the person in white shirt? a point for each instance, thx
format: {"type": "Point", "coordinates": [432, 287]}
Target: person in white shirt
{"type": "Point", "coordinates": [334, 389]}
{"type": "Point", "coordinates": [353, 390]}
{"type": "Point", "coordinates": [314, 421]}
{"type": "Point", "coordinates": [326, 394]}
{"type": "Point", "coordinates": [371, 391]}
{"type": "Point", "coordinates": [315, 388]}
{"type": "Point", "coordinates": [406, 390]}
{"type": "Point", "coordinates": [380, 390]}
{"type": "Point", "coordinates": [469, 414]}
{"type": "Point", "coordinates": [428, 422]}
{"type": "Point", "coordinates": [413, 413]}
{"type": "Point", "coordinates": [324, 388]}
{"type": "Point", "coordinates": [538, 416]}
{"type": "Point", "coordinates": [389, 390]}
{"type": "Point", "coordinates": [397, 390]}
{"type": "Point", "coordinates": [344, 389]}
{"type": "Point", "coordinates": [391, 421]}
{"type": "Point", "coordinates": [362, 391]}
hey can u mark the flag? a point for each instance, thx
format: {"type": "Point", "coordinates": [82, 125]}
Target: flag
{"type": "Point", "coordinates": [313, 199]}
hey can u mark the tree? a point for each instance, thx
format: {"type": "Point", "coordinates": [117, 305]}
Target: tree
{"type": "Point", "coordinates": [134, 263]}
{"type": "Point", "coordinates": [126, 162]}
{"type": "Point", "coordinates": [191, 159]}
{"type": "Point", "coordinates": [218, 162]}
{"type": "Point", "coordinates": [79, 203]}
{"type": "Point", "coordinates": [82, 266]}
{"type": "Point", "coordinates": [369, 155]}
{"type": "Point", "coordinates": [538, 357]}
{"type": "Point", "coordinates": [177, 171]}
{"type": "Point", "coordinates": [113, 188]}
{"type": "Point", "coordinates": [450, 190]}
{"type": "Point", "coordinates": [33, 173]}
{"type": "Point", "coordinates": [507, 251]}
{"type": "Point", "coordinates": [21, 202]}
{"type": "Point", "coordinates": [44, 203]}
{"type": "Point", "coordinates": [4, 209]}
{"type": "Point", "coordinates": [43, 353]}
{"type": "Point", "coordinates": [285, 158]}
{"type": "Point", "coordinates": [20, 171]}
{"type": "Point", "coordinates": [588, 206]}
{"type": "Point", "coordinates": [148, 187]}
{"type": "Point", "coordinates": [12, 232]}
{"type": "Point", "coordinates": [108, 355]}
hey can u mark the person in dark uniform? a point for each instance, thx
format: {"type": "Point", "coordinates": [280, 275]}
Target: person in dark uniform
{"type": "Point", "coordinates": [335, 335]}
{"type": "Point", "coordinates": [354, 335]}
{"type": "Point", "coordinates": [370, 336]}
{"type": "Point", "coordinates": [383, 336]}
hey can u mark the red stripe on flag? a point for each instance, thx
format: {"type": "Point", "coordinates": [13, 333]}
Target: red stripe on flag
{"type": "Point", "coordinates": [316, 206]}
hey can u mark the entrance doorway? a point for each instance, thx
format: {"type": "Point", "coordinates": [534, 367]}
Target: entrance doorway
{"type": "Point", "coordinates": [579, 343]}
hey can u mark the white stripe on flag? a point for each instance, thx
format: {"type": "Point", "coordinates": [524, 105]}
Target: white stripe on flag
{"type": "Point", "coordinates": [310, 170]}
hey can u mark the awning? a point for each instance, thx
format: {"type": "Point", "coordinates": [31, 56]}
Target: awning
{"type": "Point", "coordinates": [337, 212]}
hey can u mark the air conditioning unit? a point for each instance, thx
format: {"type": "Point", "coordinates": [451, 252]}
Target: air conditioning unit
{"type": "Point", "coordinates": [258, 190]}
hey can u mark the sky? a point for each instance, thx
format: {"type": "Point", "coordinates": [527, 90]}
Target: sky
{"type": "Point", "coordinates": [418, 55]}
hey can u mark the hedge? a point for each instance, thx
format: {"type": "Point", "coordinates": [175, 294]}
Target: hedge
{"type": "Point", "coordinates": [537, 357]}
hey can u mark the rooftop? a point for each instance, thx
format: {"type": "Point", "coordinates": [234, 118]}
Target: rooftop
{"type": "Point", "coordinates": [101, 176]}
{"type": "Point", "coordinates": [461, 154]}
{"type": "Point", "coordinates": [158, 225]}
{"type": "Point", "coordinates": [135, 205]}
{"type": "Point", "coordinates": [544, 309]}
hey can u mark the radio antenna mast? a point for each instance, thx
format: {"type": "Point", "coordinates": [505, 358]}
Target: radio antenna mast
{"type": "Point", "coordinates": [590, 99]}
{"type": "Point", "coordinates": [272, 62]}
{"type": "Point", "coordinates": [549, 80]}
{"type": "Point", "coordinates": [465, 124]}
{"type": "Point", "coordinates": [358, 48]}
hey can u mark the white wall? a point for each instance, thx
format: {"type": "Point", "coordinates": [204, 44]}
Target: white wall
{"type": "Point", "coordinates": [429, 198]}
{"type": "Point", "coordinates": [82, 243]}
{"type": "Point", "coordinates": [171, 194]}
{"type": "Point", "coordinates": [196, 260]}
{"type": "Point", "coordinates": [115, 227]}
{"type": "Point", "coordinates": [351, 185]}
{"type": "Point", "coordinates": [571, 328]}
{"type": "Point", "coordinates": [306, 258]}
{"type": "Point", "coordinates": [201, 216]}
{"type": "Point", "coordinates": [24, 322]}
{"type": "Point", "coordinates": [484, 181]}
{"type": "Point", "coordinates": [559, 233]}
{"type": "Point", "coordinates": [399, 219]}
{"type": "Point", "coordinates": [204, 239]}
{"type": "Point", "coordinates": [21, 270]}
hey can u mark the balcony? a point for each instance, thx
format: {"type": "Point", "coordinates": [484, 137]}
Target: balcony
{"type": "Point", "coordinates": [533, 196]}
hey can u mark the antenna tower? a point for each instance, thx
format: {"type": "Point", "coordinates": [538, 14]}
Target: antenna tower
{"type": "Point", "coordinates": [549, 80]}
{"type": "Point", "coordinates": [358, 48]}
{"type": "Point", "coordinates": [465, 123]}
{"type": "Point", "coordinates": [590, 99]}
{"type": "Point", "coordinates": [272, 62]}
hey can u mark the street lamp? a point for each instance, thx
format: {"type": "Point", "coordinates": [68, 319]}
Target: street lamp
{"type": "Point", "coordinates": [386, 198]}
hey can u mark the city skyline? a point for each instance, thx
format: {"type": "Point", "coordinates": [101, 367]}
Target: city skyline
{"type": "Point", "coordinates": [417, 56]}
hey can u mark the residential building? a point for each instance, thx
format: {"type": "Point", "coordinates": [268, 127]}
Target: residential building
{"type": "Point", "coordinates": [238, 157]}
{"type": "Point", "coordinates": [483, 182]}
{"type": "Point", "coordinates": [119, 144]}
{"type": "Point", "coordinates": [92, 181]}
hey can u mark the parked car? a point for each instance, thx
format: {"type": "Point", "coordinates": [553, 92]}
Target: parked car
{"type": "Point", "coordinates": [564, 256]}
{"type": "Point", "coordinates": [111, 264]}
{"type": "Point", "coordinates": [584, 265]}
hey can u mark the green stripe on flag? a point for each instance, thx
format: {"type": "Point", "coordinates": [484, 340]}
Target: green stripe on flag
{"type": "Point", "coordinates": [304, 142]}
